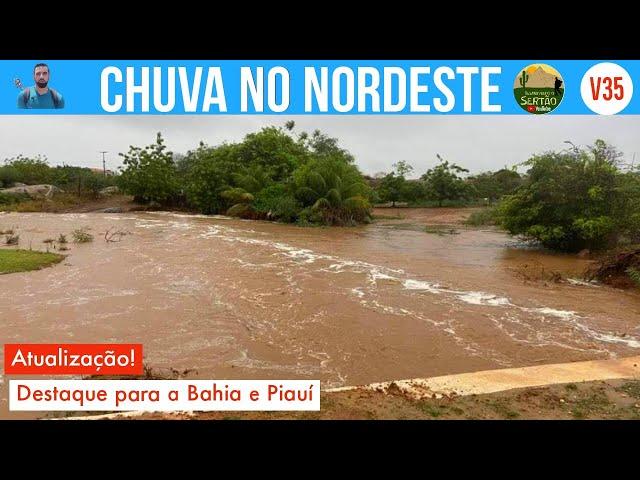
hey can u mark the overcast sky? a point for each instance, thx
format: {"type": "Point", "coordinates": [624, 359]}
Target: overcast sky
{"type": "Point", "coordinates": [478, 143]}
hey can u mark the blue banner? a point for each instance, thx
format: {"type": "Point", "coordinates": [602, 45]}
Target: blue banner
{"type": "Point", "coordinates": [237, 87]}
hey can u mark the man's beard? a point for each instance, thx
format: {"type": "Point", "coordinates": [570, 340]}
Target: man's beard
{"type": "Point", "coordinates": [41, 84]}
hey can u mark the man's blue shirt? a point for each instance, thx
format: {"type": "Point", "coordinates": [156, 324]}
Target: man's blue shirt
{"type": "Point", "coordinates": [35, 100]}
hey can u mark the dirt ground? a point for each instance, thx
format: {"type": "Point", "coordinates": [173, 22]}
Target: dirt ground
{"type": "Point", "coordinates": [125, 202]}
{"type": "Point", "coordinates": [602, 400]}
{"type": "Point", "coordinates": [615, 399]}
{"type": "Point", "coordinates": [440, 216]}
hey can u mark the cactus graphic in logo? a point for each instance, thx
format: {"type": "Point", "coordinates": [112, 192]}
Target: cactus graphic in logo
{"type": "Point", "coordinates": [538, 88]}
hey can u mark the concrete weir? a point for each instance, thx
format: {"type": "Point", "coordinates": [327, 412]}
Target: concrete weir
{"type": "Point", "coordinates": [491, 381]}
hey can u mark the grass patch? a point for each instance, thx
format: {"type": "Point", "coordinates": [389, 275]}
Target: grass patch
{"type": "Point", "coordinates": [630, 388]}
{"type": "Point", "coordinates": [503, 408]}
{"type": "Point", "coordinates": [60, 202]}
{"type": "Point", "coordinates": [595, 403]}
{"type": "Point", "coordinates": [13, 261]}
{"type": "Point", "coordinates": [432, 410]}
{"type": "Point", "coordinates": [571, 386]}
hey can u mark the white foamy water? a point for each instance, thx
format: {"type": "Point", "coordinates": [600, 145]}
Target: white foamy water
{"type": "Point", "coordinates": [481, 298]}
{"type": "Point", "coordinates": [376, 273]}
{"type": "Point", "coordinates": [412, 284]}
{"type": "Point", "coordinates": [582, 283]}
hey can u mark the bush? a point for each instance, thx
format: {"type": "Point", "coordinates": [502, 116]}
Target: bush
{"type": "Point", "coordinates": [575, 200]}
{"type": "Point", "coordinates": [10, 199]}
{"type": "Point", "coordinates": [32, 171]}
{"type": "Point", "coordinates": [82, 235]}
{"type": "Point", "coordinates": [242, 210]}
{"type": "Point", "coordinates": [12, 239]}
{"type": "Point", "coordinates": [8, 176]}
{"type": "Point", "coordinates": [80, 180]}
{"type": "Point", "coordinates": [486, 216]}
{"type": "Point", "coordinates": [276, 203]}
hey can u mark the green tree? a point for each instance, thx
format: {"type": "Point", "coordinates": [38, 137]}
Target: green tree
{"type": "Point", "coordinates": [494, 185]}
{"type": "Point", "coordinates": [322, 145]}
{"type": "Point", "coordinates": [332, 191]}
{"type": "Point", "coordinates": [443, 182]}
{"type": "Point", "coordinates": [211, 173]}
{"type": "Point", "coordinates": [271, 175]}
{"type": "Point", "coordinates": [394, 186]}
{"type": "Point", "coordinates": [575, 199]}
{"type": "Point", "coordinates": [273, 150]}
{"type": "Point", "coordinates": [150, 173]}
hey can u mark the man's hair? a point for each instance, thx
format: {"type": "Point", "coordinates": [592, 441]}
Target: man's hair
{"type": "Point", "coordinates": [41, 65]}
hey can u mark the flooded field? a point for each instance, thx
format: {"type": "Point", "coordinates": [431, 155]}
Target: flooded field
{"type": "Point", "coordinates": [243, 299]}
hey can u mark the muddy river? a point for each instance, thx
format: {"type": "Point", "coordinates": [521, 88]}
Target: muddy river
{"type": "Point", "coordinates": [244, 299]}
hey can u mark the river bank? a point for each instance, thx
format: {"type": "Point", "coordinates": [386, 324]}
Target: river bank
{"type": "Point", "coordinates": [606, 389]}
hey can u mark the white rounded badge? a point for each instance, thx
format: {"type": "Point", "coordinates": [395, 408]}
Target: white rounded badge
{"type": "Point", "coordinates": [606, 88]}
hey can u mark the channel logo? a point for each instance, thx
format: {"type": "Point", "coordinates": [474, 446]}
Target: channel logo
{"type": "Point", "coordinates": [538, 88]}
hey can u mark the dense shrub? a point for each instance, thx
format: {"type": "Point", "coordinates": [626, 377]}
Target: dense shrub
{"type": "Point", "coordinates": [150, 174]}
{"type": "Point", "coordinates": [574, 200]}
{"type": "Point", "coordinates": [269, 175]}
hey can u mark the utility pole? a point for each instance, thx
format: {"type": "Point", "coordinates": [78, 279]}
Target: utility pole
{"type": "Point", "coordinates": [104, 164]}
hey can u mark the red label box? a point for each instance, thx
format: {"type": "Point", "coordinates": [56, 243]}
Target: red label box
{"type": "Point", "coordinates": [73, 359]}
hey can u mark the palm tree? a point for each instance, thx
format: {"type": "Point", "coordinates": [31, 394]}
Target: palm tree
{"type": "Point", "coordinates": [333, 191]}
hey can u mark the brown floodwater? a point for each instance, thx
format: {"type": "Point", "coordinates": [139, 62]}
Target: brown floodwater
{"type": "Point", "coordinates": [257, 300]}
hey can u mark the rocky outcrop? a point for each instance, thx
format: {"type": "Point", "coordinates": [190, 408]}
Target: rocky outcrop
{"type": "Point", "coordinates": [33, 191]}
{"type": "Point", "coordinates": [108, 191]}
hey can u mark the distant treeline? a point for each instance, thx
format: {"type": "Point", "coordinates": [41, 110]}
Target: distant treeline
{"type": "Point", "coordinates": [36, 171]}
{"type": "Point", "coordinates": [443, 185]}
